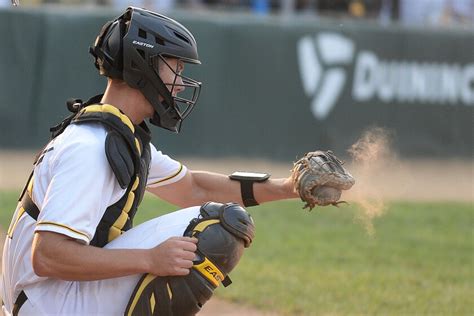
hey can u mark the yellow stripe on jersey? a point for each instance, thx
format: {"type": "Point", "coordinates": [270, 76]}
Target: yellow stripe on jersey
{"type": "Point", "coordinates": [169, 177]}
{"type": "Point", "coordinates": [64, 226]}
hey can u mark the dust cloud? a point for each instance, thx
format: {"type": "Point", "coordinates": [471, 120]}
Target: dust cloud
{"type": "Point", "coordinates": [373, 159]}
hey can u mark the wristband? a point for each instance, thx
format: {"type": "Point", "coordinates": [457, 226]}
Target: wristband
{"type": "Point", "coordinates": [246, 180]}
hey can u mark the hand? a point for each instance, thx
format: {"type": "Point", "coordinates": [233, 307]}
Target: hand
{"type": "Point", "coordinates": [174, 256]}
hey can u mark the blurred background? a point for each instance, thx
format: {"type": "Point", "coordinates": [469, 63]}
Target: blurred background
{"type": "Point", "coordinates": [419, 12]}
{"type": "Point", "coordinates": [281, 78]}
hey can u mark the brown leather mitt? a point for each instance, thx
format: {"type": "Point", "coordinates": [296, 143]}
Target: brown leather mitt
{"type": "Point", "coordinates": [319, 179]}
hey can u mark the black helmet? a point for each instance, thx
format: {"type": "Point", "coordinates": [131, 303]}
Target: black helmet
{"type": "Point", "coordinates": [131, 48]}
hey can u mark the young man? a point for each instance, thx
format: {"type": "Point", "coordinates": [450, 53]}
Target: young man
{"type": "Point", "coordinates": [70, 249]}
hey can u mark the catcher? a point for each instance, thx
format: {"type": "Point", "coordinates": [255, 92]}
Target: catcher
{"type": "Point", "coordinates": [71, 248]}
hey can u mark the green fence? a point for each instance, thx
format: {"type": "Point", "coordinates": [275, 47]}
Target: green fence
{"type": "Point", "coordinates": [272, 87]}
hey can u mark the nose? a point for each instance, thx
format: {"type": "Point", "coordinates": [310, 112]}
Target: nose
{"type": "Point", "coordinates": [179, 85]}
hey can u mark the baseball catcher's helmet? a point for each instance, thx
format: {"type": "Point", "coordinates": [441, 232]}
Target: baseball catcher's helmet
{"type": "Point", "coordinates": [131, 48]}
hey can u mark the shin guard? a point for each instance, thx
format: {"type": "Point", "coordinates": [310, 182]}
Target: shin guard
{"type": "Point", "coordinates": [223, 231]}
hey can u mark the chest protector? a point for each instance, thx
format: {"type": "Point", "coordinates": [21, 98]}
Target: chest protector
{"type": "Point", "coordinates": [127, 148]}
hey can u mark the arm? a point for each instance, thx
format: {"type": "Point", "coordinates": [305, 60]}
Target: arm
{"type": "Point", "coordinates": [61, 257]}
{"type": "Point", "coordinates": [81, 187]}
{"type": "Point", "coordinates": [198, 187]}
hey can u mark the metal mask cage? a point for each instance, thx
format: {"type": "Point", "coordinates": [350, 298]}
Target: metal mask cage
{"type": "Point", "coordinates": [184, 103]}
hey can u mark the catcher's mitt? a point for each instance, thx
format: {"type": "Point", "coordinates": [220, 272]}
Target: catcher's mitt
{"type": "Point", "coordinates": [319, 179]}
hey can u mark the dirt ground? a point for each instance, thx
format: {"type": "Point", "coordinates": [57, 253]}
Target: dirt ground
{"type": "Point", "coordinates": [410, 180]}
{"type": "Point", "coordinates": [413, 180]}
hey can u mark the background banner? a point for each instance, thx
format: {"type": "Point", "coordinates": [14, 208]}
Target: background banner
{"type": "Point", "coordinates": [271, 87]}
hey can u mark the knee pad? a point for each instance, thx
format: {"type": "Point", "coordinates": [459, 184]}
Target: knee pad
{"type": "Point", "coordinates": [223, 231]}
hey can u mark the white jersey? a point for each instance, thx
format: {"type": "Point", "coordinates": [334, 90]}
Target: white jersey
{"type": "Point", "coordinates": [73, 186]}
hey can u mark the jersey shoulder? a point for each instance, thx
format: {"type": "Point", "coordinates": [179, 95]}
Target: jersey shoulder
{"type": "Point", "coordinates": [80, 144]}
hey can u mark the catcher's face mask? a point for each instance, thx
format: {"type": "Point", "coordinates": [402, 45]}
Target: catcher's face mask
{"type": "Point", "coordinates": [184, 91]}
{"type": "Point", "coordinates": [132, 47]}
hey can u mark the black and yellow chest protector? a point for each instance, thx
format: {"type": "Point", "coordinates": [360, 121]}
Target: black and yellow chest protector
{"type": "Point", "coordinates": [127, 148]}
